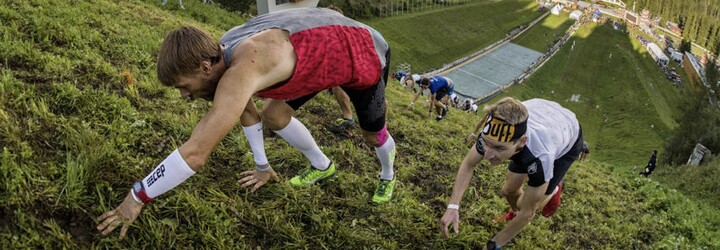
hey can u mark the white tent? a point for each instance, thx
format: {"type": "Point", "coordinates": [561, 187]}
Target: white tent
{"type": "Point", "coordinates": [556, 10]}
{"type": "Point", "coordinates": [576, 14]}
{"type": "Point", "coordinates": [657, 54]}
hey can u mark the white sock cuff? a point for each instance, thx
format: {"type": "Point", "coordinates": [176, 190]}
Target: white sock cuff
{"type": "Point", "coordinates": [171, 172]}
{"type": "Point", "coordinates": [388, 145]}
{"type": "Point", "coordinates": [254, 135]}
{"type": "Point", "coordinates": [293, 122]}
{"type": "Point", "coordinates": [256, 126]}
{"type": "Point", "coordinates": [298, 136]}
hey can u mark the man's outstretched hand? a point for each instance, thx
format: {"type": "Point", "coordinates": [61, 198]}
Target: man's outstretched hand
{"type": "Point", "coordinates": [451, 218]}
{"type": "Point", "coordinates": [257, 179]}
{"type": "Point", "coordinates": [125, 214]}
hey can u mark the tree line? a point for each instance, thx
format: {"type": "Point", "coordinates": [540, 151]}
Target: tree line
{"type": "Point", "coordinates": [699, 19]}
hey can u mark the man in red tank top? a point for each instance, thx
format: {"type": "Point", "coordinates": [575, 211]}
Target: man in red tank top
{"type": "Point", "coordinates": [287, 56]}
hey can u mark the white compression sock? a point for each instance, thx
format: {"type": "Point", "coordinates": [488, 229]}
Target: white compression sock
{"type": "Point", "coordinates": [298, 136]}
{"type": "Point", "coordinates": [386, 154]}
{"type": "Point", "coordinates": [254, 135]}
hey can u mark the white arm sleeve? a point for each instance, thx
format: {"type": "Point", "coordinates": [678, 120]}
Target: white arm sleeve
{"type": "Point", "coordinates": [171, 172]}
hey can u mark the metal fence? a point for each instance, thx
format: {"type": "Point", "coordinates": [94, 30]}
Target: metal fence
{"type": "Point", "coordinates": [394, 8]}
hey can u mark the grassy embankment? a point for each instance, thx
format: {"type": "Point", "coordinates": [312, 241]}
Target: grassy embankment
{"type": "Point", "coordinates": [544, 33]}
{"type": "Point", "coordinates": [429, 39]}
{"type": "Point", "coordinates": [75, 132]}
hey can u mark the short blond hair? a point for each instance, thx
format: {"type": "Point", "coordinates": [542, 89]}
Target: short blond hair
{"type": "Point", "coordinates": [508, 109]}
{"type": "Point", "coordinates": [183, 50]}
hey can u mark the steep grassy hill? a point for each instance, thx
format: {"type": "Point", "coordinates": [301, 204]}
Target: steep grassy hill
{"type": "Point", "coordinates": [427, 40]}
{"type": "Point", "coordinates": [83, 116]}
{"type": "Point", "coordinates": [626, 105]}
{"type": "Point", "coordinates": [543, 35]}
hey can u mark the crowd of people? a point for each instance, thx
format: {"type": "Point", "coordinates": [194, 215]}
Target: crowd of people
{"type": "Point", "coordinates": [288, 58]}
{"type": "Point", "coordinates": [442, 93]}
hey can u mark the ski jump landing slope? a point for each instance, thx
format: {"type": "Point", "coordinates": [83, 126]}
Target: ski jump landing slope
{"type": "Point", "coordinates": [495, 70]}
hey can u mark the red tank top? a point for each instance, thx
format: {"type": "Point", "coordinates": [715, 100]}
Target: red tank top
{"type": "Point", "coordinates": [329, 56]}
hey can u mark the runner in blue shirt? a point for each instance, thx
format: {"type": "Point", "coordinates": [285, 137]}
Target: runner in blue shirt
{"type": "Point", "coordinates": [440, 88]}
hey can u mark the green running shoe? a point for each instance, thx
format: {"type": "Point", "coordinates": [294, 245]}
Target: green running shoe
{"type": "Point", "coordinates": [344, 122]}
{"type": "Point", "coordinates": [311, 175]}
{"type": "Point", "coordinates": [384, 191]}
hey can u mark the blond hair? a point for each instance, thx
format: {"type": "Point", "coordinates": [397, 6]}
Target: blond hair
{"type": "Point", "coordinates": [508, 109]}
{"type": "Point", "coordinates": [182, 52]}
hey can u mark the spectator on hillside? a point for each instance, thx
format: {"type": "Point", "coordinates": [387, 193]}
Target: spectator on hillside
{"type": "Point", "coordinates": [585, 151]}
{"type": "Point", "coordinates": [440, 88]}
{"type": "Point", "coordinates": [650, 167]}
{"type": "Point", "coordinates": [285, 57]}
{"type": "Point", "coordinates": [541, 139]}
{"type": "Point", "coordinates": [179, 2]}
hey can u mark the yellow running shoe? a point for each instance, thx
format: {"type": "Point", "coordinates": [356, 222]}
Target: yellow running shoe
{"type": "Point", "coordinates": [384, 191]}
{"type": "Point", "coordinates": [311, 175]}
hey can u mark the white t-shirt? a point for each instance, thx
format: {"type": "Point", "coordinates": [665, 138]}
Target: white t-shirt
{"type": "Point", "coordinates": [415, 78]}
{"type": "Point", "coordinates": [455, 98]}
{"type": "Point", "coordinates": [551, 130]}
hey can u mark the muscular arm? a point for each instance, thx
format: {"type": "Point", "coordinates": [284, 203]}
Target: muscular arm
{"type": "Point", "coordinates": [419, 93]}
{"type": "Point", "coordinates": [261, 61]}
{"type": "Point", "coordinates": [464, 175]}
{"type": "Point", "coordinates": [528, 203]}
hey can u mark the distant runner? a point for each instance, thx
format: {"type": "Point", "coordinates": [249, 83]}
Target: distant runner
{"type": "Point", "coordinates": [407, 80]}
{"type": "Point", "coordinates": [469, 106]}
{"type": "Point", "coordinates": [440, 88]}
{"type": "Point", "coordinates": [650, 167]}
{"type": "Point", "coordinates": [541, 139]}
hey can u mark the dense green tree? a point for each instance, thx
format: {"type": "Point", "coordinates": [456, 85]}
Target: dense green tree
{"type": "Point", "coordinates": [712, 77]}
{"type": "Point", "coordinates": [685, 45]}
{"type": "Point", "coordinates": [244, 6]}
{"type": "Point", "coordinates": [699, 123]}
{"type": "Point", "coordinates": [697, 18]}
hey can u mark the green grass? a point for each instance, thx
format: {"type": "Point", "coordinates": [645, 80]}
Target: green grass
{"type": "Point", "coordinates": [686, 179]}
{"type": "Point", "coordinates": [626, 105]}
{"type": "Point", "coordinates": [541, 36]}
{"type": "Point", "coordinates": [75, 133]}
{"type": "Point", "coordinates": [427, 40]}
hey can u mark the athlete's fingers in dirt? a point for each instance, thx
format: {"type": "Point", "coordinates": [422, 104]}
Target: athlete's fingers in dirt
{"type": "Point", "coordinates": [456, 224]}
{"type": "Point", "coordinates": [445, 230]}
{"type": "Point", "coordinates": [257, 185]}
{"type": "Point", "coordinates": [110, 228]}
{"type": "Point", "coordinates": [107, 222]}
{"type": "Point", "coordinates": [106, 215]}
{"type": "Point", "coordinates": [246, 179]}
{"type": "Point", "coordinates": [123, 231]}
{"type": "Point", "coordinates": [249, 183]}
{"type": "Point", "coordinates": [250, 172]}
